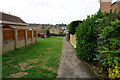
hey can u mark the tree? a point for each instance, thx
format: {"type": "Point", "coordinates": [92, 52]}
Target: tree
{"type": "Point", "coordinates": [73, 25]}
{"type": "Point", "coordinates": [43, 27]}
{"type": "Point", "coordinates": [48, 33]}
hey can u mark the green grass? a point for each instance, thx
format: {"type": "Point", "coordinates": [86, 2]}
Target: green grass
{"type": "Point", "coordinates": [40, 60]}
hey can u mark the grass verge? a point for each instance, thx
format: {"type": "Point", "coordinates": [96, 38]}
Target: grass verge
{"type": "Point", "coordinates": [40, 60]}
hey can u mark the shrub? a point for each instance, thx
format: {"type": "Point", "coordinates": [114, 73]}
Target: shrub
{"type": "Point", "coordinates": [48, 33]}
{"type": "Point", "coordinates": [109, 51]}
{"type": "Point", "coordinates": [86, 39]}
{"type": "Point", "coordinates": [109, 43]}
{"type": "Point", "coordinates": [73, 25]}
{"type": "Point", "coordinates": [98, 40]}
{"type": "Point", "coordinates": [61, 34]}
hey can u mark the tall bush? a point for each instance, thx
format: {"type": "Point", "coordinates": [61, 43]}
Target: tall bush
{"type": "Point", "coordinates": [98, 39]}
{"type": "Point", "coordinates": [86, 39]}
{"type": "Point", "coordinates": [73, 25]}
{"type": "Point", "coordinates": [48, 33]}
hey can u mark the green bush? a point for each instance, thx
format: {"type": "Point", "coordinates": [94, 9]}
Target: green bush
{"type": "Point", "coordinates": [61, 34]}
{"type": "Point", "coordinates": [86, 39]}
{"type": "Point", "coordinates": [98, 39]}
{"type": "Point", "coordinates": [48, 33]}
{"type": "Point", "coordinates": [73, 25]}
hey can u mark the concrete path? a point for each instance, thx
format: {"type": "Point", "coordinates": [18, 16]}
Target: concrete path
{"type": "Point", "coordinates": [70, 66]}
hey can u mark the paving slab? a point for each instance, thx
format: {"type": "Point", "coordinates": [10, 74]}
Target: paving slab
{"type": "Point", "coordinates": [71, 66]}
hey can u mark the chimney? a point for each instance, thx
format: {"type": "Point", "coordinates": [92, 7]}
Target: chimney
{"type": "Point", "coordinates": [105, 5]}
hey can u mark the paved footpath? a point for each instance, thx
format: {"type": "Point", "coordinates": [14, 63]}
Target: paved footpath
{"type": "Point", "coordinates": [70, 66]}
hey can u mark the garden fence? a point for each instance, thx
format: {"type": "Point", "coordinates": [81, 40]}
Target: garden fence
{"type": "Point", "coordinates": [73, 40]}
{"type": "Point", "coordinates": [11, 39]}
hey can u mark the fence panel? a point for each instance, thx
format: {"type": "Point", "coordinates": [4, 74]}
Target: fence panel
{"type": "Point", "coordinates": [29, 34]}
{"type": "Point", "coordinates": [73, 40]}
{"type": "Point", "coordinates": [34, 33]}
{"type": "Point", "coordinates": [21, 34]}
{"type": "Point", "coordinates": [8, 34]}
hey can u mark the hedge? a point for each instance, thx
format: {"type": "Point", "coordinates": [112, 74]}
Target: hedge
{"type": "Point", "coordinates": [61, 34]}
{"type": "Point", "coordinates": [98, 39]}
{"type": "Point", "coordinates": [72, 26]}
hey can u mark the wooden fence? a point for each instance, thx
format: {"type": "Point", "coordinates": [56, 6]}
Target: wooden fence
{"type": "Point", "coordinates": [21, 34]}
{"type": "Point", "coordinates": [34, 33]}
{"type": "Point", "coordinates": [12, 39]}
{"type": "Point", "coordinates": [8, 34]}
{"type": "Point", "coordinates": [29, 34]}
{"type": "Point", "coordinates": [73, 40]}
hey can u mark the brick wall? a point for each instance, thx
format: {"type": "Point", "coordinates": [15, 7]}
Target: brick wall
{"type": "Point", "coordinates": [115, 6]}
{"type": "Point", "coordinates": [105, 5]}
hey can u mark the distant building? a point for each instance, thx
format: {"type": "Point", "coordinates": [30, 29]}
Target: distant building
{"type": "Point", "coordinates": [55, 30]}
{"type": "Point", "coordinates": [107, 5]}
{"type": "Point", "coordinates": [42, 34]}
{"type": "Point", "coordinates": [40, 31]}
{"type": "Point", "coordinates": [34, 26]}
{"type": "Point", "coordinates": [12, 21]}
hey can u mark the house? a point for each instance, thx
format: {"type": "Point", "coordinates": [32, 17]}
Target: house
{"type": "Point", "coordinates": [35, 26]}
{"type": "Point", "coordinates": [40, 31]}
{"type": "Point", "coordinates": [64, 27]}
{"type": "Point", "coordinates": [12, 21]}
{"type": "Point", "coordinates": [46, 27]}
{"type": "Point", "coordinates": [56, 30]}
{"type": "Point", "coordinates": [107, 5]}
{"type": "Point", "coordinates": [42, 34]}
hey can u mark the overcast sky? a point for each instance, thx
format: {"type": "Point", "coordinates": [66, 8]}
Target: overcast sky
{"type": "Point", "coordinates": [50, 11]}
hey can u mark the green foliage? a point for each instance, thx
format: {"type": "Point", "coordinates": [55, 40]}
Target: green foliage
{"type": "Point", "coordinates": [109, 46]}
{"type": "Point", "coordinates": [48, 33]}
{"type": "Point", "coordinates": [86, 39]}
{"type": "Point", "coordinates": [98, 39]}
{"type": "Point", "coordinates": [108, 41]}
{"type": "Point", "coordinates": [43, 27]}
{"type": "Point", "coordinates": [60, 34]}
{"type": "Point", "coordinates": [73, 25]}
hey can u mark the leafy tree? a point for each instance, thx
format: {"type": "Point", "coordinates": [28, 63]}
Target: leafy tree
{"type": "Point", "coordinates": [43, 27]}
{"type": "Point", "coordinates": [73, 25]}
{"type": "Point", "coordinates": [86, 39]}
{"type": "Point", "coordinates": [48, 33]}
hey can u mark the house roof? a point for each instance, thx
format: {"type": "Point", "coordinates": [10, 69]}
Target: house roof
{"type": "Point", "coordinates": [11, 19]}
{"type": "Point", "coordinates": [33, 25]}
{"type": "Point", "coordinates": [6, 27]}
{"type": "Point", "coordinates": [43, 32]}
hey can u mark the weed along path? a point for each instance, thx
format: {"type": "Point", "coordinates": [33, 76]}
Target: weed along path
{"type": "Point", "coordinates": [70, 66]}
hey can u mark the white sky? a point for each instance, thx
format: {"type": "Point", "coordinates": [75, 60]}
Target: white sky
{"type": "Point", "coordinates": [50, 11]}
